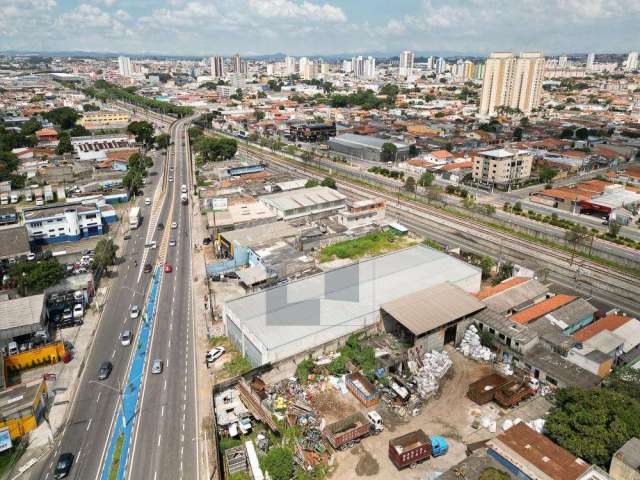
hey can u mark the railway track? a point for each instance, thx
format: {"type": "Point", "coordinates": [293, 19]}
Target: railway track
{"type": "Point", "coordinates": [618, 287]}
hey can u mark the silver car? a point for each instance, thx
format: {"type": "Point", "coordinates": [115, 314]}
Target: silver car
{"type": "Point", "coordinates": [125, 338]}
{"type": "Point", "coordinates": [134, 311]}
{"type": "Point", "coordinates": [157, 366]}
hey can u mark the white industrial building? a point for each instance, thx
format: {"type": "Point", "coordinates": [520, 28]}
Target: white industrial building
{"type": "Point", "coordinates": [316, 311]}
{"type": "Point", "coordinates": [63, 223]}
{"type": "Point", "coordinates": [305, 202]}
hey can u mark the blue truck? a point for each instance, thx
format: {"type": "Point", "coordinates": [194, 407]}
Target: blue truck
{"type": "Point", "coordinates": [415, 447]}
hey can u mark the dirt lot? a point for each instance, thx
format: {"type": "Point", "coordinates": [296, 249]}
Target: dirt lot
{"type": "Point", "coordinates": [450, 414]}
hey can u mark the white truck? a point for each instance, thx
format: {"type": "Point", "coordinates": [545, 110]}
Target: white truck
{"type": "Point", "coordinates": [184, 199]}
{"type": "Point", "coordinates": [134, 218]}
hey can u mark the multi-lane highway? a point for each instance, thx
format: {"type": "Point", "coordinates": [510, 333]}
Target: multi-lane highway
{"type": "Point", "coordinates": [166, 427]}
{"type": "Point", "coordinates": [166, 434]}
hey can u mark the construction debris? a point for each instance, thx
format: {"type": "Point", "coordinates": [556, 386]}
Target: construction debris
{"type": "Point", "coordinates": [435, 365]}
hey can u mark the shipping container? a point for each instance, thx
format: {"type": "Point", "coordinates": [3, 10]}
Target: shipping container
{"type": "Point", "coordinates": [347, 432]}
{"type": "Point", "coordinates": [483, 391]}
{"type": "Point", "coordinates": [362, 389]}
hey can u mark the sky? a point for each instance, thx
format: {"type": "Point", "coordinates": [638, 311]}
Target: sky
{"type": "Point", "coordinates": [319, 27]}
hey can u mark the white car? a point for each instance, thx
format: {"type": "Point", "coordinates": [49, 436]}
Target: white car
{"type": "Point", "coordinates": [170, 178]}
{"type": "Point", "coordinates": [174, 225]}
{"type": "Point", "coordinates": [172, 243]}
{"type": "Point", "coordinates": [31, 256]}
{"type": "Point", "coordinates": [151, 244]}
{"type": "Point", "coordinates": [147, 201]}
{"type": "Point", "coordinates": [125, 338]}
{"type": "Point", "coordinates": [78, 311]}
{"type": "Point", "coordinates": [216, 353]}
{"type": "Point", "coordinates": [157, 366]}
{"type": "Point", "coordinates": [134, 311]}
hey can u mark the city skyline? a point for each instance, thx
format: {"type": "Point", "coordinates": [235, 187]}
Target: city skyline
{"type": "Point", "coordinates": [314, 28]}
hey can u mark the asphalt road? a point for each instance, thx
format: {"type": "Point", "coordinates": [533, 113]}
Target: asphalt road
{"type": "Point", "coordinates": [166, 432]}
{"type": "Point", "coordinates": [87, 432]}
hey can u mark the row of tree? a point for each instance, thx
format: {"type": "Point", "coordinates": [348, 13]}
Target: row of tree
{"type": "Point", "coordinates": [136, 172]}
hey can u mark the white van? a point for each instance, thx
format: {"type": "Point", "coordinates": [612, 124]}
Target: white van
{"type": "Point", "coordinates": [147, 201]}
{"type": "Point", "coordinates": [12, 348]}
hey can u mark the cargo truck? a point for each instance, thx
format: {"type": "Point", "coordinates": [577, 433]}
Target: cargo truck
{"type": "Point", "coordinates": [345, 433]}
{"type": "Point", "coordinates": [415, 447]}
{"type": "Point", "coordinates": [134, 218]}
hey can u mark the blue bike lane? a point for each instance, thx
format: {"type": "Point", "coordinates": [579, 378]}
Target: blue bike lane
{"type": "Point", "coordinates": [131, 393]}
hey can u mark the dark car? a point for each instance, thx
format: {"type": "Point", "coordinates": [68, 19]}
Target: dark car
{"type": "Point", "coordinates": [206, 241]}
{"type": "Point", "coordinates": [161, 226]}
{"type": "Point", "coordinates": [147, 268]}
{"type": "Point", "coordinates": [105, 370]}
{"type": "Point", "coordinates": [63, 467]}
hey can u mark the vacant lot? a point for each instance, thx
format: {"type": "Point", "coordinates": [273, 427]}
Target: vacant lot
{"type": "Point", "coordinates": [371, 244]}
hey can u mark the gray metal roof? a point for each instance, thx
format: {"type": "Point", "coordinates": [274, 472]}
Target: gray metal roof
{"type": "Point", "coordinates": [516, 296]}
{"type": "Point", "coordinates": [501, 324]}
{"type": "Point", "coordinates": [251, 236]}
{"type": "Point", "coordinates": [571, 313]}
{"type": "Point", "coordinates": [21, 312]}
{"type": "Point", "coordinates": [353, 140]}
{"type": "Point", "coordinates": [335, 303]}
{"type": "Point", "coordinates": [432, 307]}
{"type": "Point", "coordinates": [14, 241]}
{"type": "Point", "coordinates": [303, 198]}
{"type": "Point", "coordinates": [561, 369]}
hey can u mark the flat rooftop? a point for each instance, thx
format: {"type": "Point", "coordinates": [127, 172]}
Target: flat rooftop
{"type": "Point", "coordinates": [303, 198]}
{"type": "Point", "coordinates": [260, 233]}
{"type": "Point", "coordinates": [353, 140]}
{"type": "Point", "coordinates": [21, 312]}
{"type": "Point", "coordinates": [335, 303]}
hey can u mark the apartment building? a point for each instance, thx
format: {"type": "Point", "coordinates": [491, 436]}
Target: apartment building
{"type": "Point", "coordinates": [511, 81]}
{"type": "Point", "coordinates": [63, 223]}
{"type": "Point", "coordinates": [502, 166]}
{"type": "Point", "coordinates": [104, 120]}
{"type": "Point", "coordinates": [217, 67]}
{"type": "Point", "coordinates": [406, 64]}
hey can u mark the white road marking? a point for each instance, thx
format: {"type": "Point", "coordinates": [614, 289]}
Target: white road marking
{"type": "Point", "coordinates": [89, 424]}
{"type": "Point", "coordinates": [159, 439]}
{"type": "Point", "coordinates": [162, 411]}
{"type": "Point", "coordinates": [165, 384]}
{"type": "Point", "coordinates": [98, 398]}
{"type": "Point", "coordinates": [113, 354]}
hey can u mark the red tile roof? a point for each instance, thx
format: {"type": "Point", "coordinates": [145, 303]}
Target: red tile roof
{"type": "Point", "coordinates": [610, 322]}
{"type": "Point", "coordinates": [501, 287]}
{"type": "Point", "coordinates": [539, 452]}
{"type": "Point", "coordinates": [46, 132]}
{"type": "Point", "coordinates": [542, 308]}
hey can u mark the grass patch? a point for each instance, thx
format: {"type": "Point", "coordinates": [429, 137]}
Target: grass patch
{"type": "Point", "coordinates": [237, 365]}
{"type": "Point", "coordinates": [371, 244]}
{"type": "Point", "coordinates": [115, 461]}
{"type": "Point", "coordinates": [217, 341]}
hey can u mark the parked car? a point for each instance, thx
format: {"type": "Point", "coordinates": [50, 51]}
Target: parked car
{"type": "Point", "coordinates": [206, 241]}
{"type": "Point", "coordinates": [134, 311]}
{"type": "Point", "coordinates": [78, 311]}
{"type": "Point", "coordinates": [170, 178]}
{"type": "Point", "coordinates": [161, 226]}
{"type": "Point", "coordinates": [168, 268]}
{"type": "Point", "coordinates": [147, 268]}
{"type": "Point", "coordinates": [127, 236]}
{"type": "Point", "coordinates": [147, 201]}
{"type": "Point", "coordinates": [174, 225]}
{"type": "Point", "coordinates": [105, 370]}
{"type": "Point", "coordinates": [172, 242]}
{"type": "Point", "coordinates": [157, 366]}
{"type": "Point", "coordinates": [63, 466]}
{"type": "Point", "coordinates": [125, 338]}
{"type": "Point", "coordinates": [12, 348]}
{"type": "Point", "coordinates": [31, 256]}
{"type": "Point", "coordinates": [151, 244]}
{"type": "Point", "coordinates": [214, 354]}
{"type": "Point", "coordinates": [67, 314]}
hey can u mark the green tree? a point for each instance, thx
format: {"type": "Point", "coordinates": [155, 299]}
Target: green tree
{"type": "Point", "coordinates": [64, 117]}
{"type": "Point", "coordinates": [517, 134]}
{"type": "Point", "coordinates": [546, 174]}
{"type": "Point", "coordinates": [163, 141]}
{"type": "Point", "coordinates": [194, 132]}
{"type": "Point", "coordinates": [575, 236]}
{"type": "Point", "coordinates": [259, 115]}
{"type": "Point", "coordinates": [410, 184]}
{"type": "Point", "coordinates": [413, 150]}
{"type": "Point", "coordinates": [614, 228]}
{"type": "Point", "coordinates": [391, 91]}
{"type": "Point", "coordinates": [31, 126]}
{"type": "Point", "coordinates": [215, 149]}
{"type": "Point", "coordinates": [90, 107]}
{"type": "Point", "coordinates": [79, 131]}
{"type": "Point", "coordinates": [504, 271]}
{"type": "Point", "coordinates": [567, 133]}
{"type": "Point", "coordinates": [426, 179]}
{"type": "Point", "coordinates": [142, 130]}
{"type": "Point", "coordinates": [389, 151]}
{"type": "Point", "coordinates": [33, 277]}
{"type": "Point", "coordinates": [329, 182]}
{"type": "Point", "coordinates": [582, 133]}
{"type": "Point", "coordinates": [132, 181]}
{"type": "Point", "coordinates": [625, 380]}
{"type": "Point", "coordinates": [278, 462]}
{"type": "Point", "coordinates": [105, 253]}
{"type": "Point", "coordinates": [64, 144]}
{"type": "Point", "coordinates": [593, 424]}
{"type": "Point", "coordinates": [37, 98]}
{"type": "Point", "coordinates": [486, 264]}
{"type": "Point", "coordinates": [312, 182]}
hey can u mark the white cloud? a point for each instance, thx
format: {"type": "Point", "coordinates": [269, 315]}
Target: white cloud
{"type": "Point", "coordinates": [90, 18]}
{"type": "Point", "coordinates": [286, 9]}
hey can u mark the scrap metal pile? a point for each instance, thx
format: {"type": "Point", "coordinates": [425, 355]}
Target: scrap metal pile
{"type": "Point", "coordinates": [471, 346]}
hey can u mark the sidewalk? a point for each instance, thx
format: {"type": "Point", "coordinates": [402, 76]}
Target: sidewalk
{"type": "Point", "coordinates": [62, 389]}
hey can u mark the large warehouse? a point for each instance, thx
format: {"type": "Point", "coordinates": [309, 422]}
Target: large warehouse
{"type": "Point", "coordinates": [366, 147]}
{"type": "Point", "coordinates": [284, 321]}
